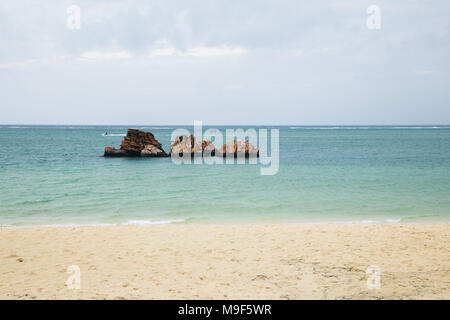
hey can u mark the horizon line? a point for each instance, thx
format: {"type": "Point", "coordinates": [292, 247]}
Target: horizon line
{"type": "Point", "coordinates": [246, 125]}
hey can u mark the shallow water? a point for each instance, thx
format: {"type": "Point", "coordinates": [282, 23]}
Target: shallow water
{"type": "Point", "coordinates": [57, 175]}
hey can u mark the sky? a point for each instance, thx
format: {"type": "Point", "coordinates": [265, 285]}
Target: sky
{"type": "Point", "coordinates": [225, 62]}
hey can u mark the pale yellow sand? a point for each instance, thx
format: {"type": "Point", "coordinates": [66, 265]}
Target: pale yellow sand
{"type": "Point", "coordinates": [231, 262]}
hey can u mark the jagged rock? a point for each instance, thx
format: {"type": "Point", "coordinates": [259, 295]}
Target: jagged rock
{"type": "Point", "coordinates": [238, 149]}
{"type": "Point", "coordinates": [229, 147]}
{"type": "Point", "coordinates": [135, 144]}
{"type": "Point", "coordinates": [186, 145]}
{"type": "Point", "coordinates": [136, 141]}
{"type": "Point", "coordinates": [113, 152]}
{"type": "Point", "coordinates": [152, 151]}
{"type": "Point", "coordinates": [182, 144]}
{"type": "Point", "coordinates": [206, 147]}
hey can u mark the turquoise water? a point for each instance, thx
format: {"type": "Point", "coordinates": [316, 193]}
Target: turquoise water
{"type": "Point", "coordinates": [57, 175]}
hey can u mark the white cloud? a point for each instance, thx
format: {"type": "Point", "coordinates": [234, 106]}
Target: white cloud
{"type": "Point", "coordinates": [17, 64]}
{"type": "Point", "coordinates": [162, 52]}
{"type": "Point", "coordinates": [215, 51]}
{"type": "Point", "coordinates": [163, 47]}
{"type": "Point", "coordinates": [105, 55]}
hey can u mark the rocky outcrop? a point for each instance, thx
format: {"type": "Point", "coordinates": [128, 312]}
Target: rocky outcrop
{"type": "Point", "coordinates": [186, 145]}
{"type": "Point", "coordinates": [206, 147]}
{"type": "Point", "coordinates": [137, 144]}
{"type": "Point", "coordinates": [238, 149]}
{"type": "Point", "coordinates": [143, 144]}
{"type": "Point", "coordinates": [153, 151]}
{"type": "Point", "coordinates": [113, 152]}
{"type": "Point", "coordinates": [182, 144]}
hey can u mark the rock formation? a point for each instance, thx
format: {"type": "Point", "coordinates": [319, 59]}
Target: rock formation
{"type": "Point", "coordinates": [206, 147]}
{"type": "Point", "coordinates": [238, 149]}
{"type": "Point", "coordinates": [143, 144]}
{"type": "Point", "coordinates": [186, 145]}
{"type": "Point", "coordinates": [137, 144]}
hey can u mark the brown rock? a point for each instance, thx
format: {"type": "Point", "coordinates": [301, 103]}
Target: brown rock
{"type": "Point", "coordinates": [135, 144]}
{"type": "Point", "coordinates": [238, 149]}
{"type": "Point", "coordinates": [152, 151]}
{"type": "Point", "coordinates": [183, 144]}
{"type": "Point", "coordinates": [113, 152]}
{"type": "Point", "coordinates": [186, 145]}
{"type": "Point", "coordinates": [206, 147]}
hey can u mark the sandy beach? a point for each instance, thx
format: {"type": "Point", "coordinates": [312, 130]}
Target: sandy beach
{"type": "Point", "coordinates": [226, 262]}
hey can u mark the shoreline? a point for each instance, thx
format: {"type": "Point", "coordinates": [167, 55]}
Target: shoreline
{"type": "Point", "coordinates": [216, 224]}
{"type": "Point", "coordinates": [270, 261]}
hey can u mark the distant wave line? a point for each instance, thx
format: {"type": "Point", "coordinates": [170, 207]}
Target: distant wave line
{"type": "Point", "coordinates": [364, 128]}
{"type": "Point", "coordinates": [158, 128]}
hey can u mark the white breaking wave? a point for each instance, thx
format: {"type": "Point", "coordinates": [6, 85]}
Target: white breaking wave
{"type": "Point", "coordinates": [17, 127]}
{"type": "Point", "coordinates": [148, 222]}
{"type": "Point", "coordinates": [61, 225]}
{"type": "Point", "coordinates": [75, 225]}
{"type": "Point", "coordinates": [418, 127]}
{"type": "Point", "coordinates": [156, 128]}
{"type": "Point", "coordinates": [370, 222]}
{"type": "Point", "coordinates": [329, 128]}
{"type": "Point", "coordinates": [113, 134]}
{"type": "Point", "coordinates": [374, 127]}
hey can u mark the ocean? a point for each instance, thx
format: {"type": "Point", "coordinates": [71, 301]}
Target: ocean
{"type": "Point", "coordinates": [57, 175]}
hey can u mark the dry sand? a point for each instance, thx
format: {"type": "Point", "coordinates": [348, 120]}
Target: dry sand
{"type": "Point", "coordinates": [226, 262]}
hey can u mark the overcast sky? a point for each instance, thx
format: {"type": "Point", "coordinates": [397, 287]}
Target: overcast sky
{"type": "Point", "coordinates": [225, 62]}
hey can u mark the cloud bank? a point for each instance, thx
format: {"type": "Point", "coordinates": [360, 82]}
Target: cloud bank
{"type": "Point", "coordinates": [225, 62]}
